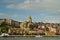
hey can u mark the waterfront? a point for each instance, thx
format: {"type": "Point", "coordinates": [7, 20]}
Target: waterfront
{"type": "Point", "coordinates": [29, 38]}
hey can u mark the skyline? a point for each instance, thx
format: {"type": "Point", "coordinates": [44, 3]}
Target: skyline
{"type": "Point", "coordinates": [39, 10]}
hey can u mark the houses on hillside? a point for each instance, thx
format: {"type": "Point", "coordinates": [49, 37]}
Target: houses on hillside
{"type": "Point", "coordinates": [30, 27]}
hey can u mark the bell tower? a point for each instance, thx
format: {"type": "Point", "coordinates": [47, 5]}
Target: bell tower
{"type": "Point", "coordinates": [29, 19]}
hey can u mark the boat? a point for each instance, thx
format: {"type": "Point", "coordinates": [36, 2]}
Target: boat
{"type": "Point", "coordinates": [38, 36]}
{"type": "Point", "coordinates": [4, 35]}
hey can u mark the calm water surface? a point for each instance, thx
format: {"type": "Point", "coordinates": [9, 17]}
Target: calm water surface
{"type": "Point", "coordinates": [29, 38]}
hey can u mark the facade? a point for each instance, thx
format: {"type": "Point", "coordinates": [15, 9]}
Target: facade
{"type": "Point", "coordinates": [2, 20]}
{"type": "Point", "coordinates": [12, 22]}
{"type": "Point", "coordinates": [15, 31]}
{"type": "Point", "coordinates": [9, 22]}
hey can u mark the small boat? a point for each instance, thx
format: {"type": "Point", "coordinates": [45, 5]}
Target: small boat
{"type": "Point", "coordinates": [4, 35]}
{"type": "Point", "coordinates": [24, 35]}
{"type": "Point", "coordinates": [38, 36]}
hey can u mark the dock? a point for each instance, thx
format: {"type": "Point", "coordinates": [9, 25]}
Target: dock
{"type": "Point", "coordinates": [30, 36]}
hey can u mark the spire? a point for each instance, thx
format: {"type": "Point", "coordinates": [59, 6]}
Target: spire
{"type": "Point", "coordinates": [29, 19]}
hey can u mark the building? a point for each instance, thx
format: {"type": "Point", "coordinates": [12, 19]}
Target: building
{"type": "Point", "coordinates": [2, 21]}
{"type": "Point", "coordinates": [15, 31]}
{"type": "Point", "coordinates": [9, 22]}
{"type": "Point", "coordinates": [26, 24]}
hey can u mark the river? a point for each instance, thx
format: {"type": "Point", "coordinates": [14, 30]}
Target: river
{"type": "Point", "coordinates": [29, 38]}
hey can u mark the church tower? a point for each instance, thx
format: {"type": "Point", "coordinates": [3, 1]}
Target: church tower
{"type": "Point", "coordinates": [29, 19]}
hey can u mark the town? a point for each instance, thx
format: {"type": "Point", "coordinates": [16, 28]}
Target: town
{"type": "Point", "coordinates": [29, 27]}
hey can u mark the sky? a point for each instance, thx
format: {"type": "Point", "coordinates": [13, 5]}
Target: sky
{"type": "Point", "coordinates": [40, 10]}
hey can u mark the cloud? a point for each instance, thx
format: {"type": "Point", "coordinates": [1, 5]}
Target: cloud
{"type": "Point", "coordinates": [8, 0]}
{"type": "Point", "coordinates": [52, 19]}
{"type": "Point", "coordinates": [2, 14]}
{"type": "Point", "coordinates": [14, 15]}
{"type": "Point", "coordinates": [38, 5]}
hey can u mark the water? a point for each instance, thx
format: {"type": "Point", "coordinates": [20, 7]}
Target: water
{"type": "Point", "coordinates": [29, 38]}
